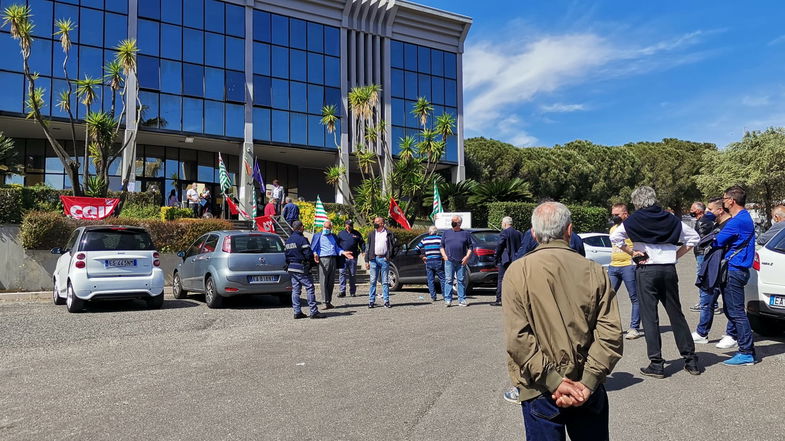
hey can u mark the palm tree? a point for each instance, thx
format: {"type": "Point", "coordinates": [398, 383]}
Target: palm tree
{"type": "Point", "coordinates": [64, 28]}
{"type": "Point", "coordinates": [456, 194]}
{"type": "Point", "coordinates": [407, 148]}
{"type": "Point", "coordinates": [85, 89]}
{"type": "Point", "coordinates": [444, 126]}
{"type": "Point", "coordinates": [330, 121]}
{"type": "Point", "coordinates": [501, 190]}
{"type": "Point", "coordinates": [422, 109]}
{"type": "Point", "coordinates": [113, 75]}
{"type": "Point", "coordinates": [9, 158]}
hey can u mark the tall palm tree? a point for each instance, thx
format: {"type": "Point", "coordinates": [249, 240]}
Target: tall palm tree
{"type": "Point", "coordinates": [113, 75]}
{"type": "Point", "coordinates": [422, 109]}
{"type": "Point", "coordinates": [64, 28]}
{"type": "Point", "coordinates": [85, 89]}
{"type": "Point", "coordinates": [445, 124]}
{"type": "Point", "coordinates": [501, 190]}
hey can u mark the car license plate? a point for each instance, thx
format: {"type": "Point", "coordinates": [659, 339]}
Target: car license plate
{"type": "Point", "coordinates": [262, 279]}
{"type": "Point", "coordinates": [116, 263]}
{"type": "Point", "coordinates": [777, 301]}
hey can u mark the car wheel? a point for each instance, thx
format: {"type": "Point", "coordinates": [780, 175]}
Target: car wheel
{"type": "Point", "coordinates": [56, 296]}
{"type": "Point", "coordinates": [211, 296]}
{"type": "Point", "coordinates": [393, 280]}
{"type": "Point", "coordinates": [467, 281]}
{"type": "Point", "coordinates": [155, 302]}
{"type": "Point", "coordinates": [72, 302]}
{"type": "Point", "coordinates": [765, 326]}
{"type": "Point", "coordinates": [177, 287]}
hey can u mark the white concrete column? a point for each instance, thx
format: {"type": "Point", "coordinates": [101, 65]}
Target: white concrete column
{"type": "Point", "coordinates": [245, 186]}
{"type": "Point", "coordinates": [386, 79]}
{"type": "Point", "coordinates": [129, 135]}
{"type": "Point", "coordinates": [459, 172]}
{"type": "Point", "coordinates": [343, 112]}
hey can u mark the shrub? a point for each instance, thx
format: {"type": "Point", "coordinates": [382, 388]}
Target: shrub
{"type": "Point", "coordinates": [136, 211]}
{"type": "Point", "coordinates": [10, 205]}
{"type": "Point", "coordinates": [42, 230]}
{"type": "Point", "coordinates": [172, 213]}
{"type": "Point", "coordinates": [405, 236]}
{"type": "Point", "coordinates": [585, 219]}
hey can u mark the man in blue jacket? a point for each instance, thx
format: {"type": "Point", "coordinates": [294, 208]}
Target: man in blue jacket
{"type": "Point", "coordinates": [528, 244]}
{"type": "Point", "coordinates": [739, 238]}
{"type": "Point", "coordinates": [291, 212]}
{"type": "Point", "coordinates": [298, 260]}
{"type": "Point", "coordinates": [326, 253]}
{"type": "Point", "coordinates": [509, 242]}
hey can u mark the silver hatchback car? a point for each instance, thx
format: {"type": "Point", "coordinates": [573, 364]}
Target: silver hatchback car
{"type": "Point", "coordinates": [230, 263]}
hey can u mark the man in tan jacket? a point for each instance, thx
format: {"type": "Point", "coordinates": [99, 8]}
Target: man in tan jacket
{"type": "Point", "coordinates": [563, 333]}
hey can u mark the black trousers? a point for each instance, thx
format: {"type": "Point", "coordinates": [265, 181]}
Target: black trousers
{"type": "Point", "coordinates": [660, 284]}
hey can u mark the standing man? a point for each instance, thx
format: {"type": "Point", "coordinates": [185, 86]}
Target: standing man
{"type": "Point", "coordinates": [277, 194]}
{"type": "Point", "coordinates": [192, 195]}
{"type": "Point", "coordinates": [529, 243]}
{"type": "Point", "coordinates": [327, 253]}
{"type": "Point", "coordinates": [381, 242]}
{"type": "Point", "coordinates": [430, 250]}
{"type": "Point", "coordinates": [622, 269]}
{"type": "Point", "coordinates": [269, 209]}
{"type": "Point", "coordinates": [456, 250]}
{"type": "Point", "coordinates": [298, 261]}
{"type": "Point", "coordinates": [350, 240]}
{"type": "Point", "coordinates": [659, 240]}
{"type": "Point", "coordinates": [291, 212]}
{"type": "Point", "coordinates": [777, 224]}
{"type": "Point", "coordinates": [563, 334]}
{"type": "Point", "coordinates": [704, 225]}
{"type": "Point", "coordinates": [509, 242]}
{"type": "Point", "coordinates": [739, 238]}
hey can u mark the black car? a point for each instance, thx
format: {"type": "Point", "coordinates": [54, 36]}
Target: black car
{"type": "Point", "coordinates": [407, 266]}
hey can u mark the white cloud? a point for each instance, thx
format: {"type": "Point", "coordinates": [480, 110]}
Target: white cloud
{"type": "Point", "coordinates": [562, 108]}
{"type": "Point", "coordinates": [778, 40]}
{"type": "Point", "coordinates": [755, 101]}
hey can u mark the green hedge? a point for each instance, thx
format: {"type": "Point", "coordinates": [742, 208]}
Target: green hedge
{"type": "Point", "coordinates": [585, 219]}
{"type": "Point", "coordinates": [172, 213]}
{"type": "Point", "coordinates": [46, 230]}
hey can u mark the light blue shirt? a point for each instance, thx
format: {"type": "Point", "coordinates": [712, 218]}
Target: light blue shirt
{"type": "Point", "coordinates": [326, 247]}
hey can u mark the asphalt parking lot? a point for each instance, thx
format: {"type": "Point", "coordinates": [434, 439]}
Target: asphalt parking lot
{"type": "Point", "coordinates": [417, 371]}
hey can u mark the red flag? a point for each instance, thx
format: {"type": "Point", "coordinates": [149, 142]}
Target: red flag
{"type": "Point", "coordinates": [265, 223]}
{"type": "Point", "coordinates": [397, 214]}
{"type": "Point", "coordinates": [88, 208]}
{"type": "Point", "coordinates": [232, 206]}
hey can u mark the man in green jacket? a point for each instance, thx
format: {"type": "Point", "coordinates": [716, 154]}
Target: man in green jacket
{"type": "Point", "coordinates": [563, 333]}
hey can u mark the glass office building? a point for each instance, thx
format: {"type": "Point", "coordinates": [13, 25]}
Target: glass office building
{"type": "Point", "coordinates": [247, 79]}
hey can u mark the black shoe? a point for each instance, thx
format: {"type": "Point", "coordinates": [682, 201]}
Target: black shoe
{"type": "Point", "coordinates": [653, 371]}
{"type": "Point", "coordinates": [371, 306]}
{"type": "Point", "coordinates": [299, 315]}
{"type": "Point", "coordinates": [328, 305]}
{"type": "Point", "coordinates": [496, 304]}
{"type": "Point", "coordinates": [718, 310]}
{"type": "Point", "coordinates": [692, 367]}
{"type": "Point", "coordinates": [352, 295]}
{"type": "Point", "coordinates": [343, 294]}
{"type": "Point", "coordinates": [316, 315]}
{"type": "Point", "coordinates": [387, 305]}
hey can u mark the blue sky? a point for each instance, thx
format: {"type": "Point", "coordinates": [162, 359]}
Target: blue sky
{"type": "Point", "coordinates": [539, 73]}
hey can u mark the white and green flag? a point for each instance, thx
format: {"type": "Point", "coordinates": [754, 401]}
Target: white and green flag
{"type": "Point", "coordinates": [253, 204]}
{"type": "Point", "coordinates": [223, 177]}
{"type": "Point", "coordinates": [321, 214]}
{"type": "Point", "coordinates": [437, 201]}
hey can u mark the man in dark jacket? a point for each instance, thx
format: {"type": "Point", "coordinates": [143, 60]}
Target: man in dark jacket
{"type": "Point", "coordinates": [298, 260]}
{"type": "Point", "coordinates": [381, 243]}
{"type": "Point", "coordinates": [509, 242]}
{"type": "Point", "coordinates": [329, 256]}
{"type": "Point", "coordinates": [291, 212]}
{"type": "Point", "coordinates": [350, 240]}
{"type": "Point", "coordinates": [529, 243]}
{"type": "Point", "coordinates": [704, 225]}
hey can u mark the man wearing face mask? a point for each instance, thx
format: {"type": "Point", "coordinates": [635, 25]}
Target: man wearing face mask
{"type": "Point", "coordinates": [381, 242]}
{"type": "Point", "coordinates": [326, 253]}
{"type": "Point", "coordinates": [777, 224]}
{"type": "Point", "coordinates": [622, 269]}
{"type": "Point", "coordinates": [704, 225]}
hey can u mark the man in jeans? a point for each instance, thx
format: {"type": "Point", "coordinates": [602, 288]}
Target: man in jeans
{"type": "Point", "coordinates": [739, 238]}
{"type": "Point", "coordinates": [456, 250]}
{"type": "Point", "coordinates": [704, 225]}
{"type": "Point", "coordinates": [351, 240]}
{"type": "Point", "coordinates": [622, 269]}
{"type": "Point", "coordinates": [381, 242]}
{"type": "Point", "coordinates": [429, 247]}
{"type": "Point", "coordinates": [563, 334]}
{"type": "Point", "coordinates": [509, 241]}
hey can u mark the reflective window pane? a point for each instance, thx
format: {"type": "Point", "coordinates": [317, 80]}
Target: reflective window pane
{"type": "Point", "coordinates": [235, 20]}
{"type": "Point", "coordinates": [193, 83]}
{"type": "Point", "coordinates": [213, 49]}
{"type": "Point", "coordinates": [332, 71]}
{"type": "Point", "coordinates": [437, 62]}
{"type": "Point", "coordinates": [280, 126]}
{"type": "Point", "coordinates": [411, 120]}
{"type": "Point", "coordinates": [148, 37]}
{"type": "Point", "coordinates": [214, 118]}
{"type": "Point", "coordinates": [297, 33]}
{"type": "Point", "coordinates": [235, 86]}
{"type": "Point", "coordinates": [332, 96]}
{"type": "Point", "coordinates": [450, 65]}
{"type": "Point", "coordinates": [171, 42]}
{"type": "Point", "coordinates": [193, 46]}
{"type": "Point", "coordinates": [214, 83]}
{"type": "Point", "coordinates": [280, 94]}
{"type": "Point", "coordinates": [261, 58]}
{"type": "Point", "coordinates": [398, 117]}
{"type": "Point", "coordinates": [410, 90]}
{"type": "Point", "coordinates": [437, 90]}
{"type": "Point", "coordinates": [171, 77]}
{"type": "Point", "coordinates": [117, 5]}
{"type": "Point", "coordinates": [235, 53]}
{"type": "Point", "coordinates": [192, 115]}
{"type": "Point", "coordinates": [65, 12]}
{"type": "Point", "coordinates": [315, 37]}
{"type": "Point", "coordinates": [298, 93]}
{"type": "Point", "coordinates": [262, 91]}
{"type": "Point", "coordinates": [170, 112]}
{"type": "Point", "coordinates": [316, 132]}
{"type": "Point", "coordinates": [148, 72]}
{"type": "Point", "coordinates": [424, 59]}
{"type": "Point", "coordinates": [424, 86]}
{"type": "Point", "coordinates": [40, 56]}
{"type": "Point", "coordinates": [149, 8]}
{"type": "Point", "coordinates": [214, 11]}
{"type": "Point", "coordinates": [149, 102]}
{"type": "Point", "coordinates": [298, 62]}
{"type": "Point", "coordinates": [235, 120]}
{"type": "Point", "coordinates": [280, 64]}
{"type": "Point", "coordinates": [397, 83]}
{"type": "Point", "coordinates": [116, 29]}
{"type": "Point", "coordinates": [193, 13]}
{"type": "Point", "coordinates": [91, 61]}
{"type": "Point", "coordinates": [332, 41]}
{"type": "Point", "coordinates": [315, 68]}
{"type": "Point", "coordinates": [450, 93]}
{"type": "Point", "coordinates": [280, 30]}
{"type": "Point", "coordinates": [172, 11]}
{"type": "Point", "coordinates": [298, 128]}
{"type": "Point", "coordinates": [59, 58]}
{"type": "Point", "coordinates": [261, 26]}
{"type": "Point", "coordinates": [11, 98]}
{"type": "Point", "coordinates": [91, 30]}
{"type": "Point", "coordinates": [315, 99]}
{"type": "Point", "coordinates": [261, 124]}
{"type": "Point", "coordinates": [410, 56]}
{"type": "Point", "coordinates": [42, 11]}
{"type": "Point", "coordinates": [396, 54]}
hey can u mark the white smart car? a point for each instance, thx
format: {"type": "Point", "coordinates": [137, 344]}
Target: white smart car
{"type": "Point", "coordinates": [107, 262]}
{"type": "Point", "coordinates": [765, 292]}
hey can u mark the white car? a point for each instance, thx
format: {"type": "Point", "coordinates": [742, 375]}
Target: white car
{"type": "Point", "coordinates": [598, 247]}
{"type": "Point", "coordinates": [107, 262]}
{"type": "Point", "coordinates": [765, 292]}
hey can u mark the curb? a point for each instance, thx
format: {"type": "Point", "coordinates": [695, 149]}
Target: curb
{"type": "Point", "coordinates": [25, 296]}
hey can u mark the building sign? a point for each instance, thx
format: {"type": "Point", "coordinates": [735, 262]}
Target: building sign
{"type": "Point", "coordinates": [443, 220]}
{"type": "Point", "coordinates": [88, 208]}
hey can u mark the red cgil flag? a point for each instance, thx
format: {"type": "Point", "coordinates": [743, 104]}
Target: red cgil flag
{"type": "Point", "coordinates": [397, 214]}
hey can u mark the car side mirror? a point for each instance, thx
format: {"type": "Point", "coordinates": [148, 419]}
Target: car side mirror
{"type": "Point", "coordinates": [56, 251]}
{"type": "Point", "coordinates": [181, 254]}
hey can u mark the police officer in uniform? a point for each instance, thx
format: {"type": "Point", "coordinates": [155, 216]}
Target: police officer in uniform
{"type": "Point", "coordinates": [298, 261]}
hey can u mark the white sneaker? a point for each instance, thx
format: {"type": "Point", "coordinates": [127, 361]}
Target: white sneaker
{"type": "Point", "coordinates": [632, 334]}
{"type": "Point", "coordinates": [463, 304]}
{"type": "Point", "coordinates": [698, 339]}
{"type": "Point", "coordinates": [448, 303]}
{"type": "Point", "coordinates": [727, 342]}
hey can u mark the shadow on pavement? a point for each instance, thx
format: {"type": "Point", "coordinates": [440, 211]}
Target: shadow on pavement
{"type": "Point", "coordinates": [621, 380]}
{"type": "Point", "coordinates": [103, 306]}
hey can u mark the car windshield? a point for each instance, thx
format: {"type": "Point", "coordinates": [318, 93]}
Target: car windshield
{"type": "Point", "coordinates": [112, 239]}
{"type": "Point", "coordinates": [486, 237]}
{"type": "Point", "coordinates": [256, 243]}
{"type": "Point", "coordinates": [777, 243]}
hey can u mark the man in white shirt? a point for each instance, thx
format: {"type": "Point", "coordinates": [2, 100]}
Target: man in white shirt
{"type": "Point", "coordinates": [277, 193]}
{"type": "Point", "coordinates": [659, 240]}
{"type": "Point", "coordinates": [192, 195]}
